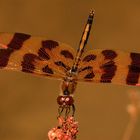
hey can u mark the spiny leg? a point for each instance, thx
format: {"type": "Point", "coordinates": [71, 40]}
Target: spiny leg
{"type": "Point", "coordinates": [66, 106]}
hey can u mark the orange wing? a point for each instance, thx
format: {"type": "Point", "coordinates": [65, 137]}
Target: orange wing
{"type": "Point", "coordinates": [110, 66]}
{"type": "Point", "coordinates": [35, 55]}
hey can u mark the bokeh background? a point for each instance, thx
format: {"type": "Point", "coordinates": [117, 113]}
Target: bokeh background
{"type": "Point", "coordinates": [28, 107]}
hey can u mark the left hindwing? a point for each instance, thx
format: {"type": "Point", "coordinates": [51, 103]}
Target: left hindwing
{"type": "Point", "coordinates": [35, 55]}
{"type": "Point", "coordinates": [110, 66]}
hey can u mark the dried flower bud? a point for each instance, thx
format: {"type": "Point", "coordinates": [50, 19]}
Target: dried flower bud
{"type": "Point", "coordinates": [67, 129]}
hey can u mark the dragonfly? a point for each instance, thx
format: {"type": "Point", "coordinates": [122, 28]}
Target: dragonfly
{"type": "Point", "coordinates": [53, 59]}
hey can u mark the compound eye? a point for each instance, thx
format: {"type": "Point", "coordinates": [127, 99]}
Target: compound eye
{"type": "Point", "coordinates": [69, 100]}
{"type": "Point", "coordinates": [65, 100]}
{"type": "Point", "coordinates": [60, 100]}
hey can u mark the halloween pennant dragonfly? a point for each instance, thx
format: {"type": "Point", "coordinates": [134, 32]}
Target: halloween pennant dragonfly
{"type": "Point", "coordinates": [50, 58]}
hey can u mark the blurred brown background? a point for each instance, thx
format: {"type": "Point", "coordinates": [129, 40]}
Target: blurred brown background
{"type": "Point", "coordinates": [28, 106]}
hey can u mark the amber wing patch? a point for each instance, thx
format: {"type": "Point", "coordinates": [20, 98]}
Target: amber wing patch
{"type": "Point", "coordinates": [110, 66]}
{"type": "Point", "coordinates": [36, 55]}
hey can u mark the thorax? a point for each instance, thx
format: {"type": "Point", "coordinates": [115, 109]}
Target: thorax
{"type": "Point", "coordinates": [69, 83]}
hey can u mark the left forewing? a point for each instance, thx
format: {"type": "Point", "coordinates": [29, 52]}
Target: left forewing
{"type": "Point", "coordinates": [35, 55]}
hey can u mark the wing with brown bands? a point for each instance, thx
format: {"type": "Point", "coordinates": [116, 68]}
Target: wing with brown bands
{"type": "Point", "coordinates": [110, 66]}
{"type": "Point", "coordinates": [35, 55]}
